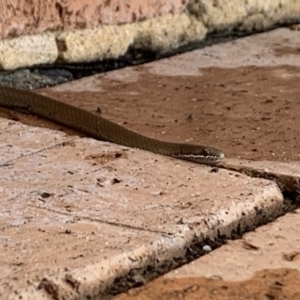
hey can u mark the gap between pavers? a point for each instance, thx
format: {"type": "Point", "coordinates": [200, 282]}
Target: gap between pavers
{"type": "Point", "coordinates": [267, 258]}
{"type": "Point", "coordinates": [286, 175]}
{"type": "Point", "coordinates": [81, 217]}
{"type": "Point", "coordinates": [271, 246]}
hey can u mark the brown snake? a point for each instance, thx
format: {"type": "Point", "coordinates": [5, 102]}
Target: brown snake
{"type": "Point", "coordinates": [101, 128]}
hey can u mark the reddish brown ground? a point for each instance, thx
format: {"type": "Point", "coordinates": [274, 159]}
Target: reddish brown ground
{"type": "Point", "coordinates": [265, 285]}
{"type": "Point", "coordinates": [248, 112]}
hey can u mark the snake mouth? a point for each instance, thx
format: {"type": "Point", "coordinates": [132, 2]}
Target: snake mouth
{"type": "Point", "coordinates": [207, 158]}
{"type": "Point", "coordinates": [199, 154]}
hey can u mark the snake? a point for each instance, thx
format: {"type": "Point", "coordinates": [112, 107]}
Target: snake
{"type": "Point", "coordinates": [101, 128]}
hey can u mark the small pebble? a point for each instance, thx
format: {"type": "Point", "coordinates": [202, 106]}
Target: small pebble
{"type": "Point", "coordinates": [206, 248]}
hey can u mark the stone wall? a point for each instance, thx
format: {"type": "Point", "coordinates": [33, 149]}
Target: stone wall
{"type": "Point", "coordinates": [46, 31]}
{"type": "Point", "coordinates": [24, 17]}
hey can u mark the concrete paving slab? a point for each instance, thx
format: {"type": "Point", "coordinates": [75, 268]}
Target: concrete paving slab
{"type": "Point", "coordinates": [229, 271]}
{"type": "Point", "coordinates": [76, 214]}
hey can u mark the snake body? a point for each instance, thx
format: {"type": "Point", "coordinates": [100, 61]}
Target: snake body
{"type": "Point", "coordinates": [100, 128]}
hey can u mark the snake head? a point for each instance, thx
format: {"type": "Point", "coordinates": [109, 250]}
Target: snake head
{"type": "Point", "coordinates": [200, 154]}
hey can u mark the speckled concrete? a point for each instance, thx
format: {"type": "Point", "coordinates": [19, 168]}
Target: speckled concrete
{"type": "Point", "coordinates": [94, 211]}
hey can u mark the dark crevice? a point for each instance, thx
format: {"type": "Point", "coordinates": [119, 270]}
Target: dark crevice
{"type": "Point", "coordinates": [136, 278]}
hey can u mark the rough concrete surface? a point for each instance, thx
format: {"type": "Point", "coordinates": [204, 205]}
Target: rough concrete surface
{"type": "Point", "coordinates": [28, 50]}
{"type": "Point", "coordinates": [151, 26]}
{"type": "Point", "coordinates": [110, 211]}
{"type": "Point", "coordinates": [112, 42]}
{"type": "Point", "coordinates": [79, 216]}
{"type": "Point", "coordinates": [237, 270]}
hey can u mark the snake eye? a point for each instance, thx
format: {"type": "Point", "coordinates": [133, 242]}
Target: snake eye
{"type": "Point", "coordinates": [206, 152]}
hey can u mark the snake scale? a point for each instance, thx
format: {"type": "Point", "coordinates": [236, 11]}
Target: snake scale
{"type": "Point", "coordinates": [100, 128]}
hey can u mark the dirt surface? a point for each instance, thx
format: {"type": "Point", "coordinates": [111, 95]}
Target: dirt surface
{"type": "Point", "coordinates": [249, 112]}
{"type": "Point", "coordinates": [265, 285]}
